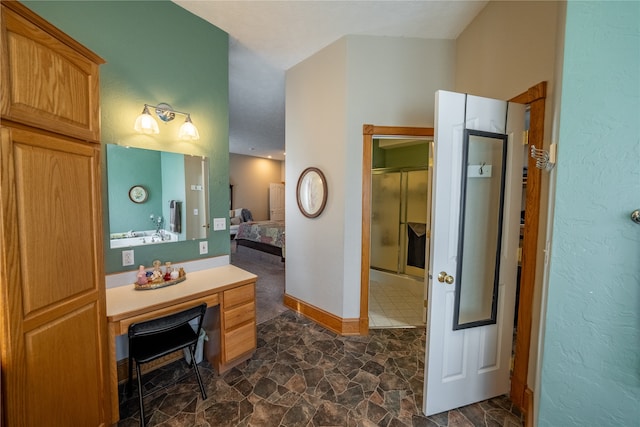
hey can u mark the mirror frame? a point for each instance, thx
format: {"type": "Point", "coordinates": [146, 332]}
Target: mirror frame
{"type": "Point", "coordinates": [314, 179]}
{"type": "Point", "coordinates": [463, 196]}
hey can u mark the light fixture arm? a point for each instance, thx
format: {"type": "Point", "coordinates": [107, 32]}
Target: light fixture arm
{"type": "Point", "coordinates": [165, 112]}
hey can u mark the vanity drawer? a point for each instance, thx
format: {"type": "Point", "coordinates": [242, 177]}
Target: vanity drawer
{"type": "Point", "coordinates": [238, 296]}
{"type": "Point", "coordinates": [239, 315]}
{"type": "Point", "coordinates": [240, 341]}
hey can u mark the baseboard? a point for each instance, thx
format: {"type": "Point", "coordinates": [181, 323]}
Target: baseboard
{"type": "Point", "coordinates": [330, 321]}
{"type": "Point", "coordinates": [528, 408]}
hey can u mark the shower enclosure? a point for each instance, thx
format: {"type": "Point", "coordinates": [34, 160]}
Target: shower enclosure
{"type": "Point", "coordinates": [399, 235]}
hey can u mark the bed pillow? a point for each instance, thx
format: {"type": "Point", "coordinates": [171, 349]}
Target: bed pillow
{"type": "Point", "coordinates": [235, 220]}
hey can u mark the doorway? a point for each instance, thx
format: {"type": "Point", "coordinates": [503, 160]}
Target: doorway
{"type": "Point", "coordinates": [388, 270]}
{"type": "Point", "coordinates": [521, 395]}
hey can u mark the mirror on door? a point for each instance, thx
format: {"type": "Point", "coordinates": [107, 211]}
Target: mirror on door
{"type": "Point", "coordinates": [481, 211]}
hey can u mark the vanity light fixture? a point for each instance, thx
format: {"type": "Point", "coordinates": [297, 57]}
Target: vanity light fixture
{"type": "Point", "coordinates": [145, 123]}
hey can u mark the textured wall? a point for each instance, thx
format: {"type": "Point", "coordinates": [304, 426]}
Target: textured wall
{"type": "Point", "coordinates": [591, 361]}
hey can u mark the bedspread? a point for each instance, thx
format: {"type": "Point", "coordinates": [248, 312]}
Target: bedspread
{"type": "Point", "coordinates": [267, 232]}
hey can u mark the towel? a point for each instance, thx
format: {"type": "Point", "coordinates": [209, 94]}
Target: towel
{"type": "Point", "coordinates": [175, 216]}
{"type": "Point", "coordinates": [416, 244]}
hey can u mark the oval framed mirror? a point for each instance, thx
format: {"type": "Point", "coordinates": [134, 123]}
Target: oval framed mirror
{"type": "Point", "coordinates": [311, 192]}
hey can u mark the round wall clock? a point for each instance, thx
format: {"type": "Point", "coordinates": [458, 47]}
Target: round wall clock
{"type": "Point", "coordinates": [138, 194]}
{"type": "Point", "coordinates": [311, 192]}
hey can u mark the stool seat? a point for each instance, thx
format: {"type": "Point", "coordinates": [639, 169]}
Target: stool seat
{"type": "Point", "coordinates": [155, 338]}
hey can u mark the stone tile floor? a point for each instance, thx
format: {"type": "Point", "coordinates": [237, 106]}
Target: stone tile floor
{"type": "Point", "coordinates": [305, 375]}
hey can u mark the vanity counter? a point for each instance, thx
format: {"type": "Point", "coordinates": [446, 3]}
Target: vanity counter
{"type": "Point", "coordinates": [229, 293]}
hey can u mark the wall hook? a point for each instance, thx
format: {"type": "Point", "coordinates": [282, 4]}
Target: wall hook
{"type": "Point", "coordinates": [545, 160]}
{"type": "Point", "coordinates": [480, 171]}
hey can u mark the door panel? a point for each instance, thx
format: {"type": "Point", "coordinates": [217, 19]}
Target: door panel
{"type": "Point", "coordinates": [468, 365]}
{"type": "Point", "coordinates": [276, 201]}
{"type": "Point", "coordinates": [54, 338]}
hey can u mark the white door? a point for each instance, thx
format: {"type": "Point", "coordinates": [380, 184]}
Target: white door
{"type": "Point", "coordinates": [471, 362]}
{"type": "Point", "coordinates": [276, 201]}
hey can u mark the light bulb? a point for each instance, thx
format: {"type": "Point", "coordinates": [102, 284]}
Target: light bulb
{"type": "Point", "coordinates": [145, 123]}
{"type": "Point", "coordinates": [188, 131]}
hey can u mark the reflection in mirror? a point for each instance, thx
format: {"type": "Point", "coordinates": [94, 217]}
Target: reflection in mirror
{"type": "Point", "coordinates": [177, 203]}
{"type": "Point", "coordinates": [482, 198]}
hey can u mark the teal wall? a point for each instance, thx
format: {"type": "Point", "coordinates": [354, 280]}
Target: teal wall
{"type": "Point", "coordinates": [591, 359]}
{"type": "Point", "coordinates": [135, 167]}
{"type": "Point", "coordinates": [155, 51]}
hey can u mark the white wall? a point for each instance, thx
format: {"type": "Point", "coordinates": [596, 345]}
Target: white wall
{"type": "Point", "coordinates": [315, 136]}
{"type": "Point", "coordinates": [355, 81]}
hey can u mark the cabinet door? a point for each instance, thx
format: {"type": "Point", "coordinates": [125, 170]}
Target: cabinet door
{"type": "Point", "coordinates": [53, 316]}
{"type": "Point", "coordinates": [45, 82]}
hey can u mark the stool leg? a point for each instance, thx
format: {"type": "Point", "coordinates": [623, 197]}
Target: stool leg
{"type": "Point", "coordinates": [195, 369]}
{"type": "Point", "coordinates": [142, 423]}
{"type": "Point", "coordinates": [130, 379]}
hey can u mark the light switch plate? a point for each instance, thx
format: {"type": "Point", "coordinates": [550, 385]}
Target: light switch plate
{"type": "Point", "coordinates": [219, 224]}
{"type": "Point", "coordinates": [204, 247]}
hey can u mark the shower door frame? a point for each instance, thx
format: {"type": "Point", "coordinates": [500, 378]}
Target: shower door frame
{"type": "Point", "coordinates": [402, 248]}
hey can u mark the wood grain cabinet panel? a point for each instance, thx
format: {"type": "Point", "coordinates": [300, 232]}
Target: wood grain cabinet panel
{"type": "Point", "coordinates": [240, 341]}
{"type": "Point", "coordinates": [239, 315]}
{"type": "Point", "coordinates": [240, 295]}
{"type": "Point", "coordinates": [53, 329]}
{"type": "Point", "coordinates": [232, 329]}
{"type": "Point", "coordinates": [49, 81]}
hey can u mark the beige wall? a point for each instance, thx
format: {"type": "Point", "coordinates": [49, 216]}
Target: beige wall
{"type": "Point", "coordinates": [509, 47]}
{"type": "Point", "coordinates": [250, 177]}
{"type": "Point", "coordinates": [329, 96]}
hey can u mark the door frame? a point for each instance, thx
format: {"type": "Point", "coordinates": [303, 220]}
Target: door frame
{"type": "Point", "coordinates": [368, 132]}
{"type": "Point", "coordinates": [521, 395]}
{"type": "Point", "coordinates": [535, 96]}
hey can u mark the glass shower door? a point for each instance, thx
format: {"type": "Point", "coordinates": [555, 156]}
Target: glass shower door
{"type": "Point", "coordinates": [415, 231]}
{"type": "Point", "coordinates": [385, 218]}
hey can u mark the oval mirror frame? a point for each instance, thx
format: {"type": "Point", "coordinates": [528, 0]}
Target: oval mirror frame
{"type": "Point", "coordinates": [311, 192]}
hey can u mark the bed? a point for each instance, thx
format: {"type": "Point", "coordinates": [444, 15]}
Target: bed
{"type": "Point", "coordinates": [265, 236]}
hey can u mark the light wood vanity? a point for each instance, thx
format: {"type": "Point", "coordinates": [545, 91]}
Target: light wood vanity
{"type": "Point", "coordinates": [230, 322]}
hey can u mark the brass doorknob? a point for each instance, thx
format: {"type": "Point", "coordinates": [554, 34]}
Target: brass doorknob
{"type": "Point", "coordinates": [443, 277]}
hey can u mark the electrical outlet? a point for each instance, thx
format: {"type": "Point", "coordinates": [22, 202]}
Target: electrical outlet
{"type": "Point", "coordinates": [204, 247]}
{"type": "Point", "coordinates": [219, 224]}
{"type": "Point", "coordinates": [127, 258]}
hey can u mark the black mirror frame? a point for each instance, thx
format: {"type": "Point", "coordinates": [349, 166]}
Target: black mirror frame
{"type": "Point", "coordinates": [463, 193]}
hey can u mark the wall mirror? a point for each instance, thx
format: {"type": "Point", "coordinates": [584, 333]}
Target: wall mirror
{"type": "Point", "coordinates": [481, 211]}
{"type": "Point", "coordinates": [176, 203]}
{"type": "Point", "coordinates": [311, 192]}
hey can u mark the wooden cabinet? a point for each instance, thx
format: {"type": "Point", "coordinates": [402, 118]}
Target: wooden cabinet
{"type": "Point", "coordinates": [52, 312]}
{"type": "Point", "coordinates": [232, 331]}
{"type": "Point", "coordinates": [49, 80]}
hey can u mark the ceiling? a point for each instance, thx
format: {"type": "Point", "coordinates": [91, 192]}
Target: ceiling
{"type": "Point", "coordinates": [266, 38]}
